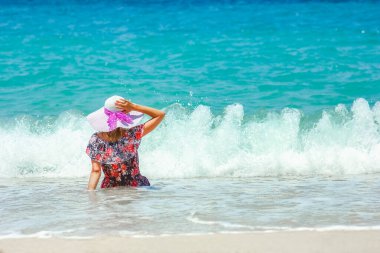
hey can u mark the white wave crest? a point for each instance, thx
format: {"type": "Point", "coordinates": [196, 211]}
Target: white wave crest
{"type": "Point", "coordinates": [199, 144]}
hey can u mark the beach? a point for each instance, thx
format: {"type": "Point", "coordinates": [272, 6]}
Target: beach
{"type": "Point", "coordinates": [269, 242]}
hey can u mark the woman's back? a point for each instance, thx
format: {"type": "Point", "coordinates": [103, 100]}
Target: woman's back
{"type": "Point", "coordinates": [119, 159]}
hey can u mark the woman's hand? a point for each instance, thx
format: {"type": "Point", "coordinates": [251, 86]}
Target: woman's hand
{"type": "Point", "coordinates": [124, 105]}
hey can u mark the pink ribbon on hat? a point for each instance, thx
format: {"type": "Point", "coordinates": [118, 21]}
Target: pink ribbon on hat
{"type": "Point", "coordinates": [113, 117]}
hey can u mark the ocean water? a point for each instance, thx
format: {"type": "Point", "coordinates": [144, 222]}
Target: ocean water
{"type": "Point", "coordinates": [273, 115]}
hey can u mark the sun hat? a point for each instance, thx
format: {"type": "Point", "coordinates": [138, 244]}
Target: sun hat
{"type": "Point", "coordinates": [109, 117]}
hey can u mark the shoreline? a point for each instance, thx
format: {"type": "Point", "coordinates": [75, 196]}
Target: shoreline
{"type": "Point", "coordinates": [292, 241]}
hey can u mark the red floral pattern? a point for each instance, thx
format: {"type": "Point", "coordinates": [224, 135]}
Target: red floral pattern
{"type": "Point", "coordinates": [119, 160]}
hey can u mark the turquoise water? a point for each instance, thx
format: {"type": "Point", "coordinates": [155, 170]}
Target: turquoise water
{"type": "Point", "coordinates": [309, 55]}
{"type": "Point", "coordinates": [258, 95]}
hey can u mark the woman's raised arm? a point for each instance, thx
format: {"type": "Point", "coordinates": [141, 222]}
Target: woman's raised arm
{"type": "Point", "coordinates": [157, 115]}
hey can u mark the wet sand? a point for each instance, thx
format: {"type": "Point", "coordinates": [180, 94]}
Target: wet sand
{"type": "Point", "coordinates": [303, 241]}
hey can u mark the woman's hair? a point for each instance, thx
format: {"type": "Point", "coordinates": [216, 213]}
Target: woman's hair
{"type": "Point", "coordinates": [113, 135]}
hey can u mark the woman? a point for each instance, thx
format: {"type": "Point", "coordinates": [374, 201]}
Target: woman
{"type": "Point", "coordinates": [113, 148]}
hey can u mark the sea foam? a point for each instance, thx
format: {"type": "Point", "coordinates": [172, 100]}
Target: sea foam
{"type": "Point", "coordinates": [197, 143]}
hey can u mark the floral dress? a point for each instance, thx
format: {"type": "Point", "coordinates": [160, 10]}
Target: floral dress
{"type": "Point", "coordinates": [119, 160]}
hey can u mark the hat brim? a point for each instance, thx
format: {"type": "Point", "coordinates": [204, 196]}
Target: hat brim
{"type": "Point", "coordinates": [98, 120]}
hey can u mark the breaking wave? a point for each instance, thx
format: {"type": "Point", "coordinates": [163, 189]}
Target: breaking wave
{"type": "Point", "coordinates": [197, 143]}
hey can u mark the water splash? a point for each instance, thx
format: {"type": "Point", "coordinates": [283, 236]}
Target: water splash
{"type": "Point", "coordinates": [199, 144]}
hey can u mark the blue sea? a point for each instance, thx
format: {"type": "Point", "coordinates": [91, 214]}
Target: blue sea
{"type": "Point", "coordinates": [272, 115]}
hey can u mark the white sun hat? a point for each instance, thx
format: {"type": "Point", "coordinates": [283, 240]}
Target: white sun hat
{"type": "Point", "coordinates": [109, 117]}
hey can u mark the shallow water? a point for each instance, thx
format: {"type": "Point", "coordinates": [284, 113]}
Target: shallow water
{"type": "Point", "coordinates": [62, 207]}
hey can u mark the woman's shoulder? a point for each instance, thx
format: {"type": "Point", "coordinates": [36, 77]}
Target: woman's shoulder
{"type": "Point", "coordinates": [95, 139]}
{"type": "Point", "coordinates": [135, 132]}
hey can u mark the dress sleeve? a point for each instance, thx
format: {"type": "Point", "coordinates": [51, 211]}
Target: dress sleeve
{"type": "Point", "coordinates": [95, 149]}
{"type": "Point", "coordinates": [136, 132]}
{"type": "Point", "coordinates": [135, 135]}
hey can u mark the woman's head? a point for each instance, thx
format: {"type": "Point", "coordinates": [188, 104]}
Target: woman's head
{"type": "Point", "coordinates": [109, 117]}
